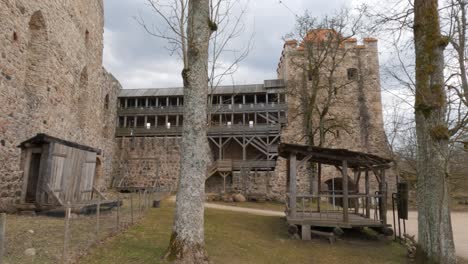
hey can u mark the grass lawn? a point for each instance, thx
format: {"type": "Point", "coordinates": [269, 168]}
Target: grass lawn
{"type": "Point", "coordinates": [233, 237]}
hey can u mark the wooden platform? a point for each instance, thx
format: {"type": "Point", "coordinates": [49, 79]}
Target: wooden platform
{"type": "Point", "coordinates": [333, 219]}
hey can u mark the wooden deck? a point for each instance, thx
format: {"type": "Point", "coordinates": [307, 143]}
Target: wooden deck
{"type": "Point", "coordinates": [333, 219]}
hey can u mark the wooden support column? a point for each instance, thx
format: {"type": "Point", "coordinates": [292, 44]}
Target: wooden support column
{"type": "Point", "coordinates": [367, 194]}
{"type": "Point", "coordinates": [292, 184]}
{"type": "Point", "coordinates": [344, 171]}
{"type": "Point", "coordinates": [125, 121]}
{"type": "Point", "coordinates": [244, 149]}
{"type": "Point", "coordinates": [305, 232]}
{"type": "Point", "coordinates": [220, 153]}
{"type": "Point", "coordinates": [319, 185]}
{"type": "Point", "coordinates": [134, 121]}
{"type": "Point", "coordinates": [126, 102]}
{"type": "Point", "coordinates": [383, 190]}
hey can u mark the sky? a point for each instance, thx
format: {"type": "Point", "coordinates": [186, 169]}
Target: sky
{"type": "Point", "coordinates": [139, 60]}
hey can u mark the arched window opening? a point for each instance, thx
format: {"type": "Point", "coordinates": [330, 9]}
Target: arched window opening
{"type": "Point", "coordinates": [83, 97]}
{"type": "Point", "coordinates": [353, 74]}
{"type": "Point", "coordinates": [106, 102]}
{"type": "Point", "coordinates": [86, 36]}
{"type": "Point", "coordinates": [36, 61]}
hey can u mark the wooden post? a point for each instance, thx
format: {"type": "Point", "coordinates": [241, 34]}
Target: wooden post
{"type": "Point", "coordinates": [2, 235]}
{"type": "Point", "coordinates": [139, 202]}
{"type": "Point", "coordinates": [118, 211]}
{"type": "Point", "coordinates": [383, 189]}
{"type": "Point", "coordinates": [319, 185]}
{"type": "Point", "coordinates": [292, 184]}
{"type": "Point", "coordinates": [367, 195]}
{"type": "Point", "coordinates": [131, 206]}
{"type": "Point", "coordinates": [345, 190]}
{"type": "Point", "coordinates": [66, 235]}
{"type": "Point", "coordinates": [98, 213]}
{"type": "Point", "coordinates": [306, 234]}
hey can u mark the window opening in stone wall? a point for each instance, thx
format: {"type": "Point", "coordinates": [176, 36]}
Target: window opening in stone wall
{"type": "Point", "coordinates": [310, 75]}
{"type": "Point", "coordinates": [86, 36]}
{"type": "Point", "coordinates": [83, 98]}
{"type": "Point", "coordinates": [352, 74]}
{"type": "Point", "coordinates": [15, 36]}
{"type": "Point", "coordinates": [106, 102]}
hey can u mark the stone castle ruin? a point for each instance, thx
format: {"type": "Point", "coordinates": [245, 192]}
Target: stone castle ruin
{"type": "Point", "coordinates": [52, 82]}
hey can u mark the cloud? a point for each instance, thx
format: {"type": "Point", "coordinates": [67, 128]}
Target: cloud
{"type": "Point", "coordinates": [140, 60]}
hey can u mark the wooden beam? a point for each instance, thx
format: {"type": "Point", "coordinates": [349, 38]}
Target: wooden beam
{"type": "Point", "coordinates": [292, 184]}
{"type": "Point", "coordinates": [304, 160]}
{"type": "Point", "coordinates": [383, 190]}
{"type": "Point", "coordinates": [367, 194]}
{"type": "Point", "coordinates": [345, 191]}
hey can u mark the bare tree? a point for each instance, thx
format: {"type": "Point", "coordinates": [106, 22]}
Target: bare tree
{"type": "Point", "coordinates": [434, 222]}
{"type": "Point", "coordinates": [187, 239]}
{"type": "Point", "coordinates": [318, 59]}
{"type": "Point", "coordinates": [224, 56]}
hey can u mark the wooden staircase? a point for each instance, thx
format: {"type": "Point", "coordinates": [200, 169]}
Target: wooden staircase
{"type": "Point", "coordinates": [219, 166]}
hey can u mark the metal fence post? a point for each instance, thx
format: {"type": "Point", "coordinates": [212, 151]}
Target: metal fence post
{"type": "Point", "coordinates": [2, 235]}
{"type": "Point", "coordinates": [98, 212]}
{"type": "Point", "coordinates": [66, 236]}
{"type": "Point", "coordinates": [139, 203]}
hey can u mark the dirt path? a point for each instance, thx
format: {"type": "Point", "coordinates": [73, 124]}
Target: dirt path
{"type": "Point", "coordinates": [459, 219]}
{"type": "Point", "coordinates": [244, 210]}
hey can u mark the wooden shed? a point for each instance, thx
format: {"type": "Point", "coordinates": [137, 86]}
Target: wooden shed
{"type": "Point", "coordinates": [358, 208]}
{"type": "Point", "coordinates": [57, 172]}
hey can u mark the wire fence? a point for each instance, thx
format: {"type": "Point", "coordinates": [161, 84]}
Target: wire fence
{"type": "Point", "coordinates": [65, 236]}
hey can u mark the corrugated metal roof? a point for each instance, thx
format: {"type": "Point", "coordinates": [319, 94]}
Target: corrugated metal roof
{"type": "Point", "coordinates": [227, 89]}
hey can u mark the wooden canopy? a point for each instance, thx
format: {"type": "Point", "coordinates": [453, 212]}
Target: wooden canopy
{"type": "Point", "coordinates": [329, 156]}
{"type": "Point", "coordinates": [44, 138]}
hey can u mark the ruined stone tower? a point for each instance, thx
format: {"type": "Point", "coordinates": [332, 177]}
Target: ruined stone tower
{"type": "Point", "coordinates": [356, 108]}
{"type": "Point", "coordinates": [52, 81]}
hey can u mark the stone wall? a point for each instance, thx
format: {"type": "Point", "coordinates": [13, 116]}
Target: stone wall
{"type": "Point", "coordinates": [52, 81]}
{"type": "Point", "coordinates": [147, 161]}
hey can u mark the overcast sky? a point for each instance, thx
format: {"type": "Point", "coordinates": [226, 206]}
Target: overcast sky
{"type": "Point", "coordinates": [139, 60]}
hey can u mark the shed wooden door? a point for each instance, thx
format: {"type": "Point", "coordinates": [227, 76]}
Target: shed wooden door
{"type": "Point", "coordinates": [87, 176]}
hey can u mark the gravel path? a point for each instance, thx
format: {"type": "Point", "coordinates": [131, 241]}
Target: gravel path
{"type": "Point", "coordinates": [459, 221]}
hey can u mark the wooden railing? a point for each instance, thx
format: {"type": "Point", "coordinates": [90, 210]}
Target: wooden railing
{"type": "Point", "coordinates": [213, 130]}
{"type": "Point", "coordinates": [224, 108]}
{"type": "Point", "coordinates": [327, 205]}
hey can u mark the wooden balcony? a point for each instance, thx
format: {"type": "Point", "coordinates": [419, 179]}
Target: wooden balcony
{"type": "Point", "coordinates": [264, 129]}
{"type": "Point", "coordinates": [226, 108]}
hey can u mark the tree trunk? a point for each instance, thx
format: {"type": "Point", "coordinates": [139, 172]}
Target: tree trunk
{"type": "Point", "coordinates": [187, 240]}
{"type": "Point", "coordinates": [434, 223]}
